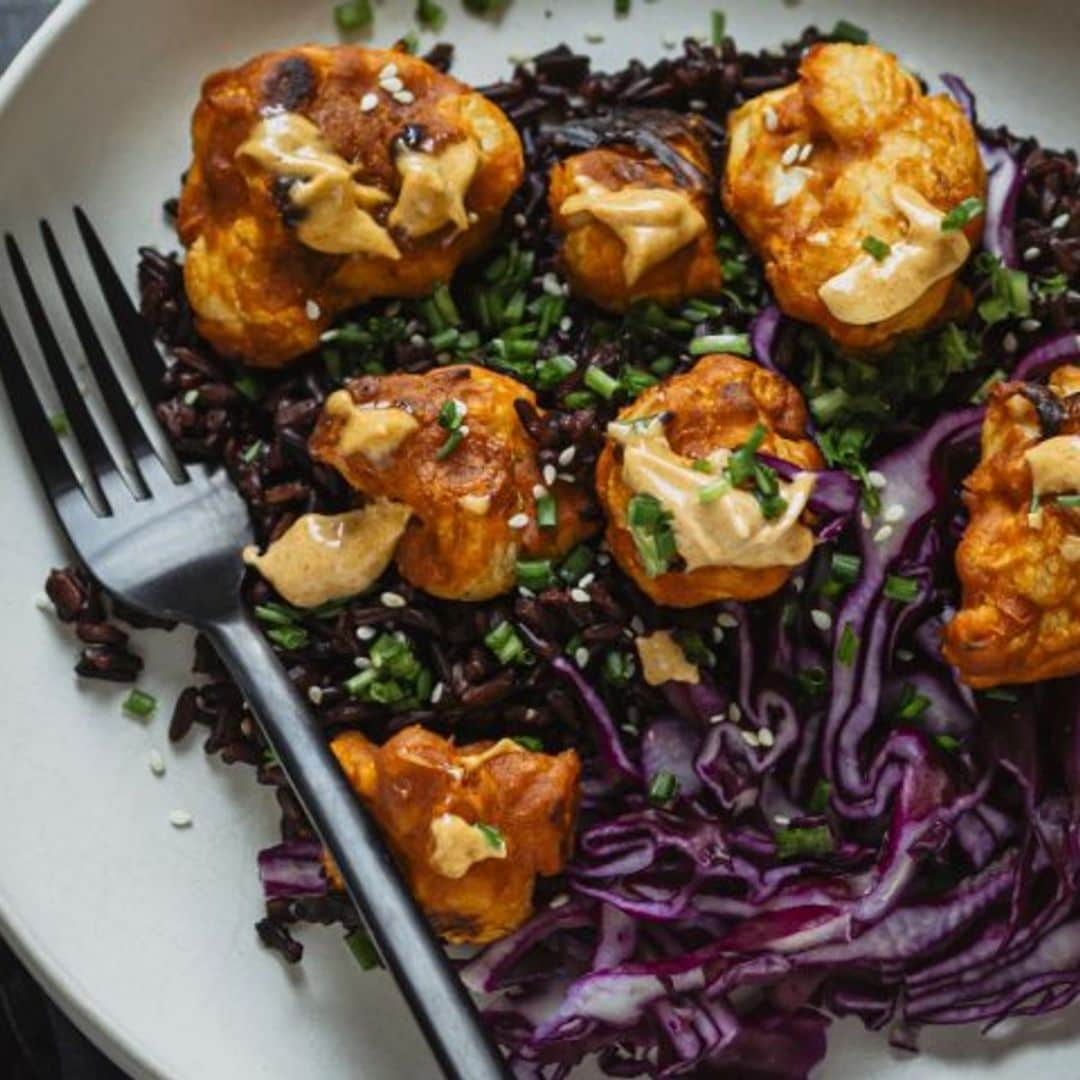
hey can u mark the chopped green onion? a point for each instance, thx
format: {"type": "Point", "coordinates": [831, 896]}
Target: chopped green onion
{"type": "Point", "coordinates": [848, 647]}
{"type": "Point", "coordinates": [248, 385]}
{"type": "Point", "coordinates": [445, 339]}
{"type": "Point", "coordinates": [702, 465]}
{"type": "Point", "coordinates": [622, 7]}
{"type": "Point", "coordinates": [618, 668]}
{"type": "Point", "coordinates": [662, 365]}
{"type": "Point", "coordinates": [274, 614]}
{"type": "Point", "coordinates": [719, 26]}
{"type": "Point", "coordinates": [600, 382]}
{"type": "Point", "coordinates": [663, 788]}
{"type": "Point", "coordinates": [845, 568]}
{"type": "Point", "coordinates": [547, 511]}
{"type": "Point", "coordinates": [876, 248]}
{"type": "Point", "coordinates": [59, 423]}
{"type": "Point", "coordinates": [634, 380]}
{"type": "Point", "coordinates": [900, 588]}
{"type": "Point", "coordinates": [579, 399]}
{"type": "Point", "coordinates": [250, 453]}
{"type": "Point", "coordinates": [430, 15]}
{"type": "Point", "coordinates": [912, 704]}
{"type": "Point", "coordinates": [962, 214]}
{"type": "Point", "coordinates": [504, 641]}
{"type": "Point", "coordinates": [849, 32]}
{"type": "Point", "coordinates": [535, 574]}
{"type": "Point", "coordinates": [651, 531]}
{"type": "Point", "coordinates": [529, 742]}
{"type": "Point", "coordinates": [353, 15]}
{"type": "Point", "coordinates": [737, 344]}
{"type": "Point", "coordinates": [453, 441]}
{"type": "Point", "coordinates": [1070, 502]}
{"type": "Point", "coordinates": [1002, 694]}
{"type": "Point", "coordinates": [363, 949]}
{"type": "Point", "coordinates": [451, 414]}
{"type": "Point", "coordinates": [819, 799]}
{"type": "Point", "coordinates": [553, 370]}
{"type": "Point", "coordinates": [288, 637]}
{"type": "Point", "coordinates": [139, 704]}
{"type": "Point", "coordinates": [742, 463]}
{"type": "Point", "coordinates": [492, 835]}
{"type": "Point", "coordinates": [797, 842]}
{"type": "Point", "coordinates": [576, 565]}
{"type": "Point", "coordinates": [709, 493]}
{"type": "Point", "coordinates": [949, 743]}
{"type": "Point", "coordinates": [1033, 505]}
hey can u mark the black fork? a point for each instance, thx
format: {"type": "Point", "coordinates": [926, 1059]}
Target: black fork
{"type": "Point", "coordinates": [166, 539]}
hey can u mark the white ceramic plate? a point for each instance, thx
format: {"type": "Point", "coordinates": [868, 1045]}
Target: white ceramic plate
{"type": "Point", "coordinates": [144, 933]}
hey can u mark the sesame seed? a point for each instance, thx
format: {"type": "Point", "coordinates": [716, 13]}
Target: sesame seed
{"type": "Point", "coordinates": [782, 820]}
{"type": "Point", "coordinates": [315, 695]}
{"type": "Point", "coordinates": [718, 634]}
{"type": "Point", "coordinates": [567, 478]}
{"type": "Point", "coordinates": [559, 901]}
{"type": "Point", "coordinates": [883, 534]}
{"type": "Point", "coordinates": [392, 85]}
{"type": "Point", "coordinates": [361, 662]}
{"type": "Point", "coordinates": [180, 819]}
{"type": "Point", "coordinates": [365, 633]}
{"type": "Point", "coordinates": [805, 152]}
{"type": "Point", "coordinates": [369, 102]}
{"type": "Point", "coordinates": [718, 718]}
{"type": "Point", "coordinates": [549, 475]}
{"type": "Point", "coordinates": [43, 603]}
{"type": "Point", "coordinates": [1031, 253]}
{"type": "Point", "coordinates": [518, 521]}
{"type": "Point", "coordinates": [790, 155]}
{"type": "Point", "coordinates": [389, 71]}
{"type": "Point", "coordinates": [734, 713]}
{"type": "Point", "coordinates": [551, 285]}
{"type": "Point", "coordinates": [404, 97]}
{"type": "Point", "coordinates": [876, 479]}
{"type": "Point", "coordinates": [697, 105]}
{"type": "Point", "coordinates": [539, 491]}
{"type": "Point", "coordinates": [772, 121]}
{"type": "Point", "coordinates": [821, 619]}
{"type": "Point", "coordinates": [156, 763]}
{"type": "Point", "coordinates": [637, 625]}
{"type": "Point", "coordinates": [581, 656]}
{"type": "Point", "coordinates": [1061, 221]}
{"type": "Point", "coordinates": [527, 593]}
{"type": "Point", "coordinates": [529, 67]}
{"type": "Point", "coordinates": [1030, 325]}
{"type": "Point", "coordinates": [566, 456]}
{"type": "Point", "coordinates": [312, 310]}
{"type": "Point", "coordinates": [520, 221]}
{"type": "Point", "coordinates": [580, 596]}
{"type": "Point", "coordinates": [464, 429]}
{"type": "Point", "coordinates": [765, 737]}
{"type": "Point", "coordinates": [587, 580]}
{"type": "Point", "coordinates": [749, 738]}
{"type": "Point", "coordinates": [905, 654]}
{"type": "Point", "coordinates": [437, 692]}
{"type": "Point", "coordinates": [864, 519]}
{"type": "Point", "coordinates": [798, 583]}
{"type": "Point", "coordinates": [894, 512]}
{"type": "Point", "coordinates": [418, 340]}
{"type": "Point", "coordinates": [392, 599]}
{"type": "Point", "coordinates": [1009, 342]}
{"type": "Point", "coordinates": [726, 619]}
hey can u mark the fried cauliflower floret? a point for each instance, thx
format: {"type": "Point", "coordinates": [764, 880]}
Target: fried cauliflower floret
{"type": "Point", "coordinates": [706, 412]}
{"type": "Point", "coordinates": [474, 501]}
{"type": "Point", "coordinates": [316, 185]}
{"type": "Point", "coordinates": [1020, 567]}
{"type": "Point", "coordinates": [855, 150]}
{"type": "Point", "coordinates": [470, 826]}
{"type": "Point", "coordinates": [635, 227]}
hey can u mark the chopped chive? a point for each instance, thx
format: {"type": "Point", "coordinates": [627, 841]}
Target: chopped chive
{"type": "Point", "coordinates": [719, 26]}
{"type": "Point", "coordinates": [451, 414]}
{"type": "Point", "coordinates": [900, 588]}
{"type": "Point", "coordinates": [553, 370]}
{"type": "Point", "coordinates": [617, 668]}
{"type": "Point", "coordinates": [600, 382]}
{"type": "Point", "coordinates": [634, 380]}
{"type": "Point", "coordinates": [663, 788]}
{"type": "Point", "coordinates": [248, 385]}
{"type": "Point", "coordinates": [1070, 502]}
{"type": "Point", "coordinates": [848, 646]}
{"type": "Point", "coordinates": [845, 568]}
{"type": "Point", "coordinates": [492, 835]}
{"type": "Point", "coordinates": [849, 32]}
{"type": "Point", "coordinates": [445, 339]}
{"type": "Point", "coordinates": [962, 214]}
{"type": "Point", "coordinates": [799, 842]}
{"type": "Point", "coordinates": [701, 465]}
{"type": "Point", "coordinates": [736, 344]}
{"type": "Point", "coordinates": [535, 574]}
{"type": "Point", "coordinates": [353, 15]}
{"type": "Point", "coordinates": [912, 704]}
{"type": "Point", "coordinates": [948, 743]}
{"type": "Point", "coordinates": [453, 441]}
{"type": "Point", "coordinates": [504, 641]}
{"type": "Point", "coordinates": [579, 399]}
{"type": "Point", "coordinates": [139, 704]}
{"type": "Point", "coordinates": [250, 453]}
{"type": "Point", "coordinates": [288, 637]}
{"type": "Point", "coordinates": [876, 248]}
{"type": "Point", "coordinates": [622, 7]}
{"type": "Point", "coordinates": [363, 949]}
{"type": "Point", "coordinates": [274, 614]}
{"type": "Point", "coordinates": [651, 531]}
{"type": "Point", "coordinates": [576, 565]}
{"type": "Point", "coordinates": [430, 15]}
{"type": "Point", "coordinates": [59, 423]}
{"type": "Point", "coordinates": [662, 365]}
{"type": "Point", "coordinates": [709, 493]}
{"type": "Point", "coordinates": [529, 742]}
{"type": "Point", "coordinates": [547, 511]}
{"type": "Point", "coordinates": [1002, 694]}
{"type": "Point", "coordinates": [410, 42]}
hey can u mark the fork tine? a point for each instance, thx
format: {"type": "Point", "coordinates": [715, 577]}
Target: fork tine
{"type": "Point", "coordinates": [42, 445]}
{"type": "Point", "coordinates": [98, 459]}
{"type": "Point", "coordinates": [136, 334]}
{"type": "Point", "coordinates": [131, 432]}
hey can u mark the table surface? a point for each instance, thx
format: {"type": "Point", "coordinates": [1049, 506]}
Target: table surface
{"type": "Point", "coordinates": [36, 1040]}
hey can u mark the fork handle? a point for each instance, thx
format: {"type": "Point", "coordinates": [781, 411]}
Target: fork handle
{"type": "Point", "coordinates": [442, 1007]}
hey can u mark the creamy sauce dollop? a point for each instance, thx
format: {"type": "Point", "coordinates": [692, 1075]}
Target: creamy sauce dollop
{"type": "Point", "coordinates": [869, 291]}
{"type": "Point", "coordinates": [329, 557]}
{"type": "Point", "coordinates": [336, 216]}
{"type": "Point", "coordinates": [728, 531]}
{"type": "Point", "coordinates": [433, 188]}
{"type": "Point", "coordinates": [662, 660]}
{"type": "Point", "coordinates": [652, 223]}
{"type": "Point", "coordinates": [365, 429]}
{"type": "Point", "coordinates": [1055, 465]}
{"type": "Point", "coordinates": [458, 846]}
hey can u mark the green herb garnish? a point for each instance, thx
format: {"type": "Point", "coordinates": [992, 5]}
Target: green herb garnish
{"type": "Point", "coordinates": [492, 835]}
{"type": "Point", "coordinates": [719, 27]}
{"type": "Point", "coordinates": [529, 742]}
{"type": "Point", "coordinates": [505, 642]}
{"type": "Point", "coordinates": [1070, 502]}
{"type": "Point", "coordinates": [849, 32]}
{"type": "Point", "coordinates": [845, 568]}
{"type": "Point", "coordinates": [139, 704]}
{"type": "Point", "coordinates": [736, 344]}
{"type": "Point", "coordinates": [900, 588]}
{"type": "Point", "coordinates": [59, 423]}
{"type": "Point", "coordinates": [848, 647]}
{"type": "Point", "coordinates": [663, 788]}
{"type": "Point", "coordinates": [652, 533]}
{"type": "Point", "coordinates": [395, 676]}
{"type": "Point", "coordinates": [430, 15]}
{"type": "Point", "coordinates": [600, 382]}
{"type": "Point", "coordinates": [547, 511]}
{"type": "Point", "coordinates": [453, 441]}
{"type": "Point", "coordinates": [962, 214]}
{"type": "Point", "coordinates": [551, 371]}
{"type": "Point", "coordinates": [876, 248]}
{"type": "Point", "coordinates": [796, 842]}
{"type": "Point", "coordinates": [363, 949]}
{"type": "Point", "coordinates": [288, 637]}
{"type": "Point", "coordinates": [535, 574]}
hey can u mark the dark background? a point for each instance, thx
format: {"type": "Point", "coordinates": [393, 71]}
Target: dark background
{"type": "Point", "coordinates": [36, 1041]}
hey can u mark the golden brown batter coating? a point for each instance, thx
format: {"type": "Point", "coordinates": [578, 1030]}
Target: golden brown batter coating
{"type": "Point", "coordinates": [1020, 617]}
{"type": "Point", "coordinates": [812, 168]}
{"type": "Point", "coordinates": [260, 293]}
{"type": "Point", "coordinates": [529, 799]}
{"type": "Point", "coordinates": [717, 404]}
{"type": "Point", "coordinates": [461, 543]}
{"type": "Point", "coordinates": [594, 256]}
